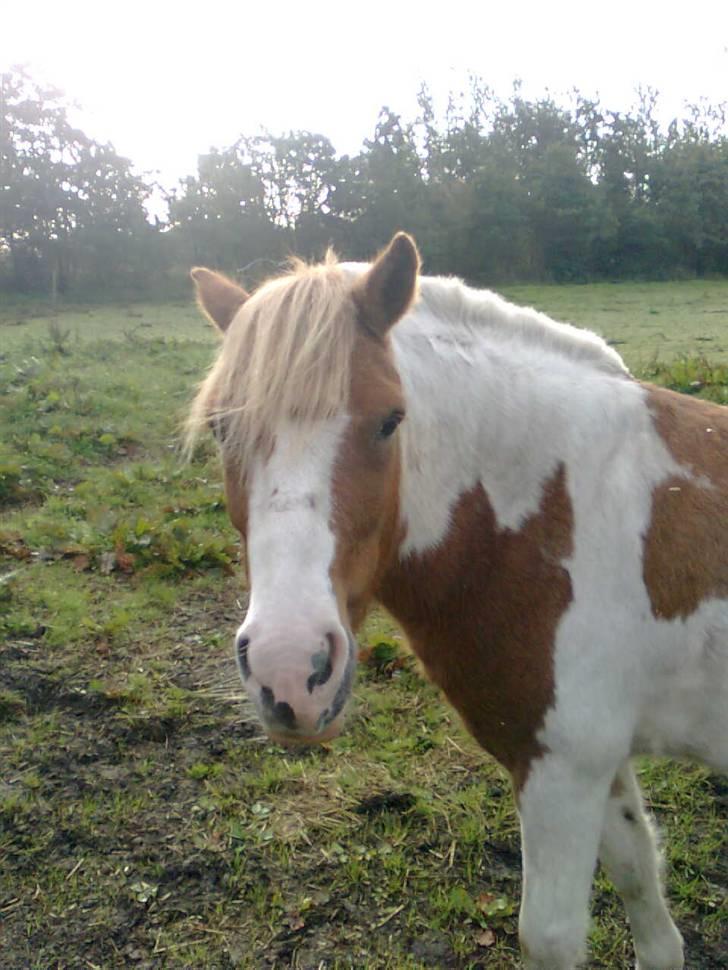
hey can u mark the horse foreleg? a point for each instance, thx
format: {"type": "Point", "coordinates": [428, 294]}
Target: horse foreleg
{"type": "Point", "coordinates": [562, 811]}
{"type": "Point", "coordinates": [629, 855]}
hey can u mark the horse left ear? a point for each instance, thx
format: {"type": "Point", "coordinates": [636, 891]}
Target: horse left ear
{"type": "Point", "coordinates": [218, 297]}
{"type": "Point", "coordinates": [387, 290]}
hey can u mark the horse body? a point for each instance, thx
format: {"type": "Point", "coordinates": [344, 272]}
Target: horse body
{"type": "Point", "coordinates": [522, 526]}
{"type": "Point", "coordinates": [529, 480]}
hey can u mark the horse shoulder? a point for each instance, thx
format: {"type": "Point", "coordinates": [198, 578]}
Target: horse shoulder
{"type": "Point", "coordinates": [482, 608]}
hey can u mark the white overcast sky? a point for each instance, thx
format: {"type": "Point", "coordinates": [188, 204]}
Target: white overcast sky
{"type": "Point", "coordinates": [164, 81]}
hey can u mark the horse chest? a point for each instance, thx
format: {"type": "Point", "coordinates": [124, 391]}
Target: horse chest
{"type": "Point", "coordinates": [481, 611]}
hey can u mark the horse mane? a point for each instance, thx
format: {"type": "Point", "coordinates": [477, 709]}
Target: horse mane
{"type": "Point", "coordinates": [448, 298]}
{"type": "Point", "coordinates": [287, 353]}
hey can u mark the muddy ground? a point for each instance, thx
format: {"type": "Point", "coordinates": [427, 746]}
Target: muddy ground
{"type": "Point", "coordinates": [117, 852]}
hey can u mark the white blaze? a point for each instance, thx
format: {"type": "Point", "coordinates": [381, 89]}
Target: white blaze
{"type": "Point", "coordinates": [291, 545]}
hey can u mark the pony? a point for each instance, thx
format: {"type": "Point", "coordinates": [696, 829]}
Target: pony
{"type": "Point", "coordinates": [550, 533]}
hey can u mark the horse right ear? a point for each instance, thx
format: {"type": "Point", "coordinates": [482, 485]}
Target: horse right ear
{"type": "Point", "coordinates": [217, 296]}
{"type": "Point", "coordinates": [385, 293]}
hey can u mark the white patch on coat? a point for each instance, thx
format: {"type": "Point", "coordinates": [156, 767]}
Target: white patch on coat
{"type": "Point", "coordinates": [484, 378]}
{"type": "Point", "coordinates": [497, 398]}
{"type": "Point", "coordinates": [290, 542]}
{"type": "Point", "coordinates": [653, 685]}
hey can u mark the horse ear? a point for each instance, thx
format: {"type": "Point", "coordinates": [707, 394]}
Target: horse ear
{"type": "Point", "coordinates": [387, 290]}
{"type": "Point", "coordinates": [217, 296]}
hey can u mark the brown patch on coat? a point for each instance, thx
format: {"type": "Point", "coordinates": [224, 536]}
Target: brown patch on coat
{"type": "Point", "coordinates": [236, 498]}
{"type": "Point", "coordinates": [686, 546]}
{"type": "Point", "coordinates": [481, 611]}
{"type": "Point", "coordinates": [365, 491]}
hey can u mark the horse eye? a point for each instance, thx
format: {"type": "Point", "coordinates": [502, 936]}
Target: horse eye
{"type": "Point", "coordinates": [389, 425]}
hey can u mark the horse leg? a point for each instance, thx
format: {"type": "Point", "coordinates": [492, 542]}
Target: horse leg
{"type": "Point", "coordinates": [629, 855]}
{"type": "Point", "coordinates": [561, 807]}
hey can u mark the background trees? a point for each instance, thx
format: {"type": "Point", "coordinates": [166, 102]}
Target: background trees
{"type": "Point", "coordinates": [493, 188]}
{"type": "Point", "coordinates": [71, 210]}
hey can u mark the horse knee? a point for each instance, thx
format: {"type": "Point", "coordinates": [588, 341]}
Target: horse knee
{"type": "Point", "coordinates": [551, 947]}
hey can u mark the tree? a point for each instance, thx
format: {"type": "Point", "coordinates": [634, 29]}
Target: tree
{"type": "Point", "coordinates": [69, 207]}
{"type": "Point", "coordinates": [218, 217]}
{"type": "Point", "coordinates": [384, 186]}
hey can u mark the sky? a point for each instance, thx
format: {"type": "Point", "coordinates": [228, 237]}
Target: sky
{"type": "Point", "coordinates": [166, 81]}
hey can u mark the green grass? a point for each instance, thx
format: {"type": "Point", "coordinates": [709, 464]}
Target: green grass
{"type": "Point", "coordinates": [144, 819]}
{"type": "Point", "coordinates": [644, 321]}
{"type": "Point", "coordinates": [30, 323]}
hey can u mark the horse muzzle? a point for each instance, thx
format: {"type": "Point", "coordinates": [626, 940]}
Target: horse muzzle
{"type": "Point", "coordinates": [299, 684]}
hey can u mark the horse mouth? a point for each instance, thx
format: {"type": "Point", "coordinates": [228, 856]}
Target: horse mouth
{"type": "Point", "coordinates": [293, 740]}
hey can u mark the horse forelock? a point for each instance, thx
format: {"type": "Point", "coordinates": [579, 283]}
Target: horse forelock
{"type": "Point", "coordinates": [287, 354]}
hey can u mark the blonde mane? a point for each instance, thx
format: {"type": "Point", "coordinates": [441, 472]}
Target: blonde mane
{"type": "Point", "coordinates": [286, 354]}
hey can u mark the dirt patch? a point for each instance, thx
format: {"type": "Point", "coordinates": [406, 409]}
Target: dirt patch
{"type": "Point", "coordinates": [389, 801]}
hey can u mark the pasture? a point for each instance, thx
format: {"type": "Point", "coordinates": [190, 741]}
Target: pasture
{"type": "Point", "coordinates": [144, 819]}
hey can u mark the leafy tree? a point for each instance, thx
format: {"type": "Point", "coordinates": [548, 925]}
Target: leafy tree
{"type": "Point", "coordinates": [218, 216]}
{"type": "Point", "coordinates": [493, 188]}
{"type": "Point", "coordinates": [385, 181]}
{"type": "Point", "coordinates": [70, 208]}
{"type": "Point", "coordinates": [690, 200]}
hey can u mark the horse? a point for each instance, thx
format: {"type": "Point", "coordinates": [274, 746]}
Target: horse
{"type": "Point", "coordinates": [550, 533]}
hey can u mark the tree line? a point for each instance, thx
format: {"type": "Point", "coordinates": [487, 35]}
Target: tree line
{"type": "Point", "coordinates": [493, 188]}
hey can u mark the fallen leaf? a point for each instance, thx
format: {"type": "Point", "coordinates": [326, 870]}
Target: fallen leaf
{"type": "Point", "coordinates": [11, 545]}
{"type": "Point", "coordinates": [125, 562]}
{"type": "Point", "coordinates": [144, 891]}
{"type": "Point", "coordinates": [485, 937]}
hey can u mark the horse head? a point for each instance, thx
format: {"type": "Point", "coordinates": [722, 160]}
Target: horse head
{"type": "Point", "coordinates": [306, 403]}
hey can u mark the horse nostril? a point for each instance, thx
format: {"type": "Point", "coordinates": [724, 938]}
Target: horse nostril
{"type": "Point", "coordinates": [280, 712]}
{"type": "Point", "coordinates": [322, 663]}
{"type": "Point", "coordinates": [242, 649]}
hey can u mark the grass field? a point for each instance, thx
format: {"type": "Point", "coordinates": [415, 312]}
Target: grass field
{"type": "Point", "coordinates": [144, 820]}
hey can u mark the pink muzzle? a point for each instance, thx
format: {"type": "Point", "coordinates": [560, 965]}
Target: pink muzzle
{"type": "Point", "coordinates": [299, 685]}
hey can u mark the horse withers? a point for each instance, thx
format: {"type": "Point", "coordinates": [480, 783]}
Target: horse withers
{"type": "Point", "coordinates": [550, 533]}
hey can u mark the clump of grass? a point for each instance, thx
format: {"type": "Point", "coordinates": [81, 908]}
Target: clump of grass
{"type": "Point", "coordinates": [58, 336]}
{"type": "Point", "coordinates": [692, 375]}
{"type": "Point", "coordinates": [12, 705]}
{"type": "Point", "coordinates": [18, 483]}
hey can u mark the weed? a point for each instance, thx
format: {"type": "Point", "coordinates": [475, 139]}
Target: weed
{"type": "Point", "coordinates": [59, 338]}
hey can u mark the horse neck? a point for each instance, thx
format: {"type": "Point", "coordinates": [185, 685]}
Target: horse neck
{"type": "Point", "coordinates": [499, 413]}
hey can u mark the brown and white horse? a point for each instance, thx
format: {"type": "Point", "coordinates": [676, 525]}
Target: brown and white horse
{"type": "Point", "coordinates": [551, 534]}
